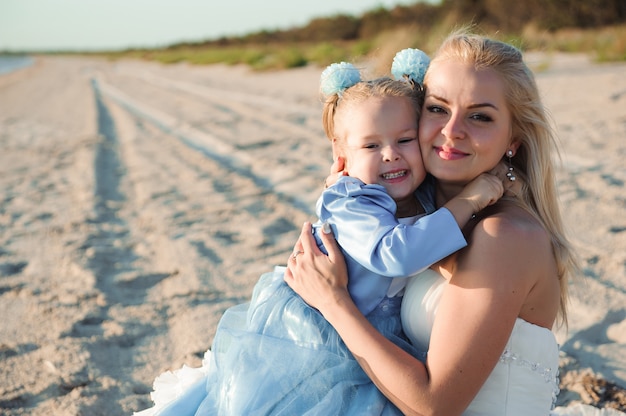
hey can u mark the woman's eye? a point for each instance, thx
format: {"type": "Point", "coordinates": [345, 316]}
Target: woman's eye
{"type": "Point", "coordinates": [481, 117]}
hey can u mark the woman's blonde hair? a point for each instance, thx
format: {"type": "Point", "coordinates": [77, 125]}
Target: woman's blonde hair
{"type": "Point", "coordinates": [532, 128]}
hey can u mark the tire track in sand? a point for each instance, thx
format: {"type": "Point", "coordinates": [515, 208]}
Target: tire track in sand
{"type": "Point", "coordinates": [129, 272]}
{"type": "Point", "coordinates": [242, 163]}
{"type": "Point", "coordinates": [106, 336]}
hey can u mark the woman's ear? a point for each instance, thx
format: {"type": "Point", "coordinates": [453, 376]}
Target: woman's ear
{"type": "Point", "coordinates": [515, 144]}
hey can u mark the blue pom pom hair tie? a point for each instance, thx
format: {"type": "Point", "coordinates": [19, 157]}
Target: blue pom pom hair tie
{"type": "Point", "coordinates": [412, 64]}
{"type": "Point", "coordinates": [336, 78]}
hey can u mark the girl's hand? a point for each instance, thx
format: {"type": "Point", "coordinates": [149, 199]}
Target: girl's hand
{"type": "Point", "coordinates": [511, 188]}
{"type": "Point", "coordinates": [319, 279]}
{"type": "Point", "coordinates": [337, 170]}
{"type": "Point", "coordinates": [482, 191]}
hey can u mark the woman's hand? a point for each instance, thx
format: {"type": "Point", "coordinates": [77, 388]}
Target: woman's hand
{"type": "Point", "coordinates": [321, 280]}
{"type": "Point", "coordinates": [337, 170]}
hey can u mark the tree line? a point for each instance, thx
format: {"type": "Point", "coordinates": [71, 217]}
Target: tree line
{"type": "Point", "coordinates": [510, 16]}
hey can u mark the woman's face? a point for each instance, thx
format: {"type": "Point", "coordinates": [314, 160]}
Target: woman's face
{"type": "Point", "coordinates": [465, 127]}
{"type": "Point", "coordinates": [379, 142]}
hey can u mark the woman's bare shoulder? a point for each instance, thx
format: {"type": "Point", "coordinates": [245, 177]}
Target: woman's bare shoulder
{"type": "Point", "coordinates": [510, 222]}
{"type": "Point", "coordinates": [523, 249]}
{"type": "Point", "coordinates": [513, 238]}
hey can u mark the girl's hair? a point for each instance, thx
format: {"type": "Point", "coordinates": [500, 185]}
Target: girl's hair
{"type": "Point", "coordinates": [532, 127]}
{"type": "Point", "coordinates": [362, 90]}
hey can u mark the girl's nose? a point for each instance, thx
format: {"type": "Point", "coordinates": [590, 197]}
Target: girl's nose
{"type": "Point", "coordinates": [390, 153]}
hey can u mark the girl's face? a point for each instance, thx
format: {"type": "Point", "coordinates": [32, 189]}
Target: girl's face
{"type": "Point", "coordinates": [378, 138]}
{"type": "Point", "coordinates": [465, 127]}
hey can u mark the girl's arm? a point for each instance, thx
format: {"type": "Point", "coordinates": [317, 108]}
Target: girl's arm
{"type": "Point", "coordinates": [367, 228]}
{"type": "Point", "coordinates": [474, 320]}
{"type": "Point", "coordinates": [364, 222]}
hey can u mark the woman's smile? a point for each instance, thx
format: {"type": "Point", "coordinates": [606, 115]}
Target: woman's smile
{"type": "Point", "coordinates": [449, 153]}
{"type": "Point", "coordinates": [465, 128]}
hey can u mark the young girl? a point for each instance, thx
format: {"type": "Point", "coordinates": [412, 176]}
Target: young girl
{"type": "Point", "coordinates": [276, 355]}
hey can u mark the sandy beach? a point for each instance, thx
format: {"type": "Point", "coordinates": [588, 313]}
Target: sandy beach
{"type": "Point", "coordinates": [139, 201]}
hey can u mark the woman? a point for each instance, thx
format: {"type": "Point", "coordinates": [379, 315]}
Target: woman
{"type": "Point", "coordinates": [490, 346]}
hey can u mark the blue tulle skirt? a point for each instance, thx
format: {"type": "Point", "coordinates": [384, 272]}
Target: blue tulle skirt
{"type": "Point", "coordinates": [278, 356]}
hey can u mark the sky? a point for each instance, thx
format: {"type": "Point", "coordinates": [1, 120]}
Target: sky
{"type": "Point", "coordinates": [41, 25]}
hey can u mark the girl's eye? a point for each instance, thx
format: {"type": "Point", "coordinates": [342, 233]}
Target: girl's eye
{"type": "Point", "coordinates": [370, 146]}
{"type": "Point", "coordinates": [407, 140]}
{"type": "Point", "coordinates": [435, 109]}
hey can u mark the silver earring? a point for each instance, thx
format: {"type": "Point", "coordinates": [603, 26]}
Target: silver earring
{"type": "Point", "coordinates": [510, 174]}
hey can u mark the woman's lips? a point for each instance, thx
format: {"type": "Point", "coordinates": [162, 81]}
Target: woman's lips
{"type": "Point", "coordinates": [449, 154]}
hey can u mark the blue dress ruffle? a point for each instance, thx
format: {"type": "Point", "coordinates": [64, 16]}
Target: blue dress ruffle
{"type": "Point", "coordinates": [278, 356]}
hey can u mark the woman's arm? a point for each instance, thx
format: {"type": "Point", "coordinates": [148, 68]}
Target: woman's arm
{"type": "Point", "coordinates": [322, 282]}
{"type": "Point", "coordinates": [474, 320]}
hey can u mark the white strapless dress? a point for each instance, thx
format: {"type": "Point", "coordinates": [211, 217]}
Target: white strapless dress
{"type": "Point", "coordinates": [525, 379]}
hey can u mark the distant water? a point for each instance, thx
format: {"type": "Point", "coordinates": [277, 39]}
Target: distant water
{"type": "Point", "coordinates": [9, 63]}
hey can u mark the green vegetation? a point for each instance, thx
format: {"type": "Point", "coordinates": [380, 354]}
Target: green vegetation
{"type": "Point", "coordinates": [258, 56]}
{"type": "Point", "coordinates": [597, 27]}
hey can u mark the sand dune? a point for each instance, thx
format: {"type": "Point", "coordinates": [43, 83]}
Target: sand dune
{"type": "Point", "coordinates": [140, 201]}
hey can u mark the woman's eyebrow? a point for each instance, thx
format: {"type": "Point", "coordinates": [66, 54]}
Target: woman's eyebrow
{"type": "Point", "coordinates": [472, 106]}
{"type": "Point", "coordinates": [478, 105]}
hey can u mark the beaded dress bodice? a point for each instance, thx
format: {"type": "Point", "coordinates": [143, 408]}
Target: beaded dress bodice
{"type": "Point", "coordinates": [525, 379]}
